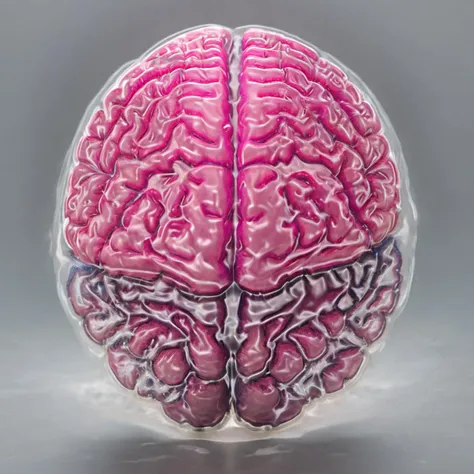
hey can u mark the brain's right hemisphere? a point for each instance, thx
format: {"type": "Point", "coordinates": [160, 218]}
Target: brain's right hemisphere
{"type": "Point", "coordinates": [313, 165]}
{"type": "Point", "coordinates": [221, 165]}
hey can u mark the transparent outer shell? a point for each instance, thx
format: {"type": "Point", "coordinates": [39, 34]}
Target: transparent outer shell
{"type": "Point", "coordinates": [234, 233]}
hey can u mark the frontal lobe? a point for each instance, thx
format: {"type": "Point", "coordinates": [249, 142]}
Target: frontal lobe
{"type": "Point", "coordinates": [311, 338]}
{"type": "Point", "coordinates": [160, 343]}
{"type": "Point", "coordinates": [151, 191]}
{"type": "Point", "coordinates": [317, 186]}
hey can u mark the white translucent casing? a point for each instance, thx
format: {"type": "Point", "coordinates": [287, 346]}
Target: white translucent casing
{"type": "Point", "coordinates": [108, 396]}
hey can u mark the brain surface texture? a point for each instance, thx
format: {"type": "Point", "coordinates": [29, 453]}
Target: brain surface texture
{"type": "Point", "coordinates": [232, 222]}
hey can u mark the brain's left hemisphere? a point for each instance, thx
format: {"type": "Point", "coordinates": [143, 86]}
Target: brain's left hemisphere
{"type": "Point", "coordinates": [151, 191]}
{"type": "Point", "coordinates": [159, 342]}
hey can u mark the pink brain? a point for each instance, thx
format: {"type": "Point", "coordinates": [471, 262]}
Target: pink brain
{"type": "Point", "coordinates": [184, 184]}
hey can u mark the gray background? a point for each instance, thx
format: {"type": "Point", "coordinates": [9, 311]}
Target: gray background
{"type": "Point", "coordinates": [414, 410]}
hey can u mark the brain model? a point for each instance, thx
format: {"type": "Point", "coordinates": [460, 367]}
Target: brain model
{"type": "Point", "coordinates": [231, 226]}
